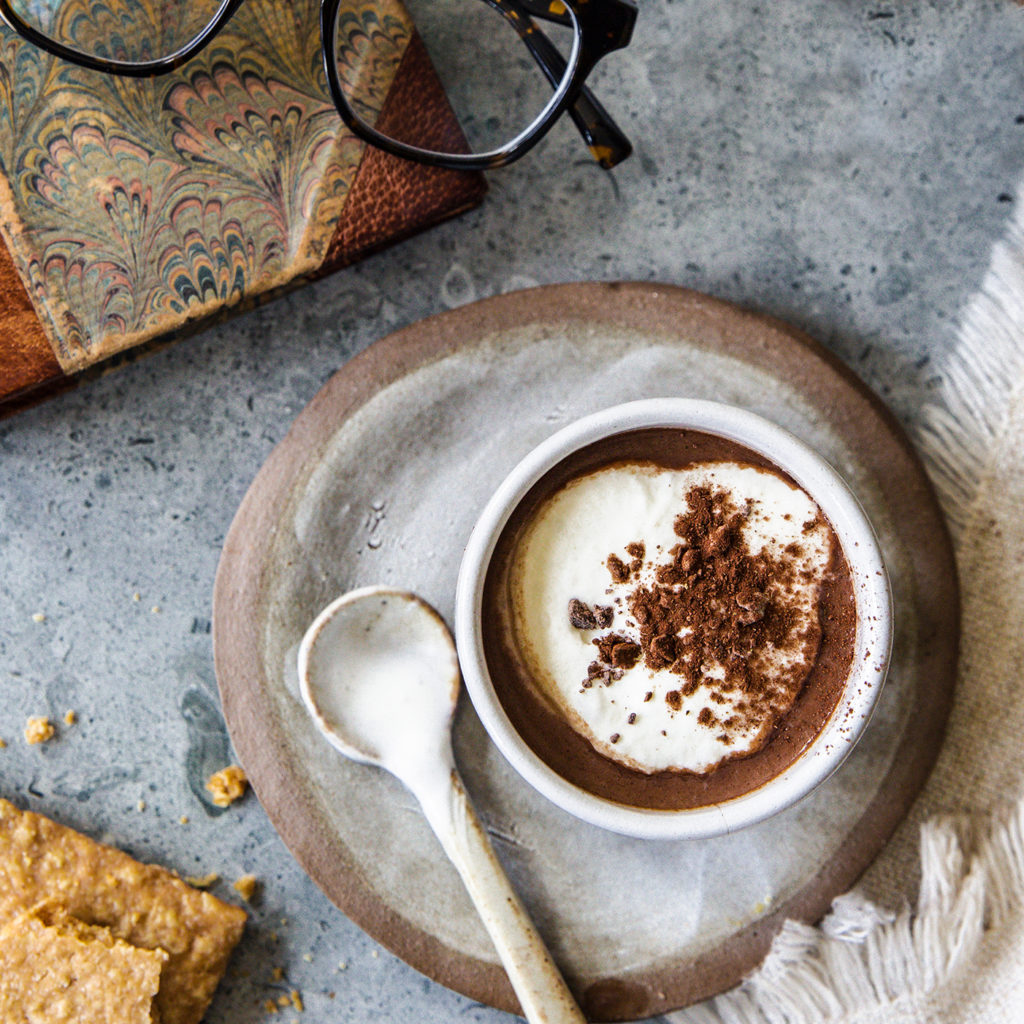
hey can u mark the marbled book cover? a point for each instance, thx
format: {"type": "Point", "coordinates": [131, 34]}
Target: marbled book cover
{"type": "Point", "coordinates": [131, 208]}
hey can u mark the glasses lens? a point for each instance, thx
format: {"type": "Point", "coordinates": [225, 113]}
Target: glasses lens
{"type": "Point", "coordinates": [495, 84]}
{"type": "Point", "coordinates": [127, 31]}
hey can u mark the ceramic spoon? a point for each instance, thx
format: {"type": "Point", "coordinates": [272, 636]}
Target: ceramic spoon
{"type": "Point", "coordinates": [379, 674]}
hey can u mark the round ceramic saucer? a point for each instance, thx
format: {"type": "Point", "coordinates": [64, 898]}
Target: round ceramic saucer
{"type": "Point", "coordinates": [380, 480]}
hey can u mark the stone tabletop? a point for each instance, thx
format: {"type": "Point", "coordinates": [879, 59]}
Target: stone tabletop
{"type": "Point", "coordinates": [845, 165]}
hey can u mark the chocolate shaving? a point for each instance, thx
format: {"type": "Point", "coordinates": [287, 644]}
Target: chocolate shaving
{"type": "Point", "coordinates": [618, 569]}
{"type": "Point", "coordinates": [625, 655]}
{"type": "Point", "coordinates": [582, 616]}
{"type": "Point", "coordinates": [601, 671]}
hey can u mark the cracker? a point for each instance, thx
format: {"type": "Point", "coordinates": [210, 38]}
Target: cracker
{"type": "Point", "coordinates": [145, 905]}
{"type": "Point", "coordinates": [57, 970]}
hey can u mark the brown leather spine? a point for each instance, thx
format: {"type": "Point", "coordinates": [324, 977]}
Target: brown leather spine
{"type": "Point", "coordinates": [27, 362]}
{"type": "Point", "coordinates": [392, 198]}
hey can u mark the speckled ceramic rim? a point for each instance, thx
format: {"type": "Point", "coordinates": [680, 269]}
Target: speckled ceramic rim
{"type": "Point", "coordinates": [871, 590]}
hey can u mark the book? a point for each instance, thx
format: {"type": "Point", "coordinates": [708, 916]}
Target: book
{"type": "Point", "coordinates": [135, 210]}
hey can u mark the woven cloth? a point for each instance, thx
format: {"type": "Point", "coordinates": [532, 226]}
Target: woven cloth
{"type": "Point", "coordinates": [935, 931]}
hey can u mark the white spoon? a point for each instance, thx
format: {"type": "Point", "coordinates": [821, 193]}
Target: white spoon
{"type": "Point", "coordinates": [379, 674]}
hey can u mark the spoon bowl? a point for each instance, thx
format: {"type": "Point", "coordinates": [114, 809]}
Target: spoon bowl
{"type": "Point", "coordinates": [378, 673]}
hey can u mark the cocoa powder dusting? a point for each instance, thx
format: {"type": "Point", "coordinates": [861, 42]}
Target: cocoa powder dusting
{"type": "Point", "coordinates": [715, 603]}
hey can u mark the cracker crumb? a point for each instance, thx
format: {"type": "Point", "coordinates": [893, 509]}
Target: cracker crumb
{"type": "Point", "coordinates": [141, 805]}
{"type": "Point", "coordinates": [3, 744]}
{"type": "Point", "coordinates": [277, 974]}
{"type": "Point", "coordinates": [202, 881]}
{"type": "Point", "coordinates": [136, 596]}
{"type": "Point", "coordinates": [70, 717]}
{"type": "Point", "coordinates": [38, 729]}
{"type": "Point", "coordinates": [296, 999]}
{"type": "Point", "coordinates": [246, 887]}
{"type": "Point", "coordinates": [270, 1006]}
{"type": "Point", "coordinates": [227, 785]}
{"type": "Point", "coordinates": [308, 957]}
{"type": "Point", "coordinates": [342, 965]}
{"type": "Point", "coordinates": [374, 953]}
{"type": "Point", "coordinates": [39, 617]}
{"type": "Point", "coordinates": [183, 820]}
{"type": "Point", "coordinates": [283, 1001]}
{"type": "Point", "coordinates": [155, 609]}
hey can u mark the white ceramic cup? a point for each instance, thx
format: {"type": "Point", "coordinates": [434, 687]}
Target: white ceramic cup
{"type": "Point", "coordinates": [871, 592]}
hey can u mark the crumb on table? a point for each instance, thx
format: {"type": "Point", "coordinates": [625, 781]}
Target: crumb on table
{"type": "Point", "coordinates": [38, 729]}
{"type": "Point", "coordinates": [202, 881]}
{"type": "Point", "coordinates": [227, 785]}
{"type": "Point", "coordinates": [70, 717]}
{"type": "Point", "coordinates": [246, 887]}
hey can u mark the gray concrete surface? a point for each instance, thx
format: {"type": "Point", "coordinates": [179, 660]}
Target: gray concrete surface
{"type": "Point", "coordinates": [844, 164]}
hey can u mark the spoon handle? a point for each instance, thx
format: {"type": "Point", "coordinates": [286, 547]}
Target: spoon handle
{"type": "Point", "coordinates": [542, 992]}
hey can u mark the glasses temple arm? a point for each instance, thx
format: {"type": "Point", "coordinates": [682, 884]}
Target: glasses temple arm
{"type": "Point", "coordinates": [606, 141]}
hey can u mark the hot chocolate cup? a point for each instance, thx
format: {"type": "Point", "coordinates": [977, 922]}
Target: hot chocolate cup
{"type": "Point", "coordinates": [732, 806]}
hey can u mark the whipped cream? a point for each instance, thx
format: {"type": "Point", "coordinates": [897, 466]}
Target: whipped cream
{"type": "Point", "coordinates": [733, 678]}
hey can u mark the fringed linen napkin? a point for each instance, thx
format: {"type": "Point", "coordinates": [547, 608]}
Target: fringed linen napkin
{"type": "Point", "coordinates": [957, 954]}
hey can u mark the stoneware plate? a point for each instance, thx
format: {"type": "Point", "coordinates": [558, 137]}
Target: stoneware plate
{"type": "Point", "coordinates": [380, 481]}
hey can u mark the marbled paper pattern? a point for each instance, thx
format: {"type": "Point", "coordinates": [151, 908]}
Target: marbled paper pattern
{"type": "Point", "coordinates": [132, 207]}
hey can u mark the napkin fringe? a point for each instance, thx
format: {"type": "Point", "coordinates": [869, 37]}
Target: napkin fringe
{"type": "Point", "coordinates": [978, 380]}
{"type": "Point", "coordinates": [862, 958]}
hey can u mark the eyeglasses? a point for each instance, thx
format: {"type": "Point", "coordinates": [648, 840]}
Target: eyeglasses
{"type": "Point", "coordinates": [507, 80]}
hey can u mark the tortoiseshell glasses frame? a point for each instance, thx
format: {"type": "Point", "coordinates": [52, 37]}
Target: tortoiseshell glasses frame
{"type": "Point", "coordinates": [599, 27]}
